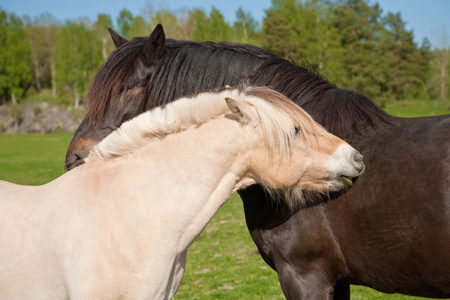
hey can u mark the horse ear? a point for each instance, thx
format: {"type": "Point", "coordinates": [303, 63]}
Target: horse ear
{"type": "Point", "coordinates": [239, 109]}
{"type": "Point", "coordinates": [155, 46]}
{"type": "Point", "coordinates": [117, 39]}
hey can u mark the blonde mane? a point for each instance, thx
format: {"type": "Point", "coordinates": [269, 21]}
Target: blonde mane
{"type": "Point", "coordinates": [276, 112]}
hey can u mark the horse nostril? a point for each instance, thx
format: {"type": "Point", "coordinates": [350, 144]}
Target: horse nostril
{"type": "Point", "coordinates": [73, 159]}
{"type": "Point", "coordinates": [359, 164]}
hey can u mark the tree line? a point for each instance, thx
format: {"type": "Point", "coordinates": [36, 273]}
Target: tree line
{"type": "Point", "coordinates": [352, 43]}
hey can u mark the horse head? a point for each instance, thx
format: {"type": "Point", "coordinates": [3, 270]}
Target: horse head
{"type": "Point", "coordinates": [116, 91]}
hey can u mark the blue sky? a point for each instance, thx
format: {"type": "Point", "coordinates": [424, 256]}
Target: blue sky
{"type": "Point", "coordinates": [428, 18]}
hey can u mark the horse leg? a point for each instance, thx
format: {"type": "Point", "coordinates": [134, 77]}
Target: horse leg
{"type": "Point", "coordinates": [341, 291]}
{"type": "Point", "coordinates": [177, 274]}
{"type": "Point", "coordinates": [311, 285]}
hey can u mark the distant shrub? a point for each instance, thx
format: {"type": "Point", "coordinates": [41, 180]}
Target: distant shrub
{"type": "Point", "coordinates": [16, 111]}
{"type": "Point", "coordinates": [31, 92]}
{"type": "Point", "coordinates": [46, 96]}
{"type": "Point", "coordinates": [37, 110]}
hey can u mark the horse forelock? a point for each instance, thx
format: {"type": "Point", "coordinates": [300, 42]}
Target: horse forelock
{"type": "Point", "coordinates": [278, 114]}
{"type": "Point", "coordinates": [111, 77]}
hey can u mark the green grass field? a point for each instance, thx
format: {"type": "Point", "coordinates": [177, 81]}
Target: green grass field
{"type": "Point", "coordinates": [223, 263]}
{"type": "Point", "coordinates": [417, 108]}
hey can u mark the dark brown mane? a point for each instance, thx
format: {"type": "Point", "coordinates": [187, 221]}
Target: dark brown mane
{"type": "Point", "coordinates": [189, 67]}
{"type": "Point", "coordinates": [340, 111]}
{"type": "Point", "coordinates": [111, 78]}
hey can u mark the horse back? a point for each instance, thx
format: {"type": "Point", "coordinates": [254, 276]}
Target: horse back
{"type": "Point", "coordinates": [393, 226]}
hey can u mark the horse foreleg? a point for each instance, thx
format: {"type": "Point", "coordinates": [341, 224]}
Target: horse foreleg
{"type": "Point", "coordinates": [341, 291]}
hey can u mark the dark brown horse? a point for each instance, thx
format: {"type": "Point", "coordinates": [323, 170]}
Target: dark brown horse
{"type": "Point", "coordinates": [391, 231]}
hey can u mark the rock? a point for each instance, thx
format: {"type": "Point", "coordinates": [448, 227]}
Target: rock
{"type": "Point", "coordinates": [38, 117]}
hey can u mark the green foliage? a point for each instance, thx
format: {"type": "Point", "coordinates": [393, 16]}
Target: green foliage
{"type": "Point", "coordinates": [174, 26]}
{"type": "Point", "coordinates": [359, 27]}
{"type": "Point", "coordinates": [16, 111]}
{"type": "Point", "coordinates": [351, 42]}
{"type": "Point", "coordinates": [41, 32]}
{"type": "Point", "coordinates": [15, 54]}
{"type": "Point", "coordinates": [46, 96]}
{"type": "Point", "coordinates": [125, 23]}
{"type": "Point", "coordinates": [311, 37]}
{"type": "Point", "coordinates": [76, 59]}
{"type": "Point", "coordinates": [212, 28]}
{"type": "Point", "coordinates": [276, 34]}
{"type": "Point", "coordinates": [410, 62]}
{"type": "Point", "coordinates": [103, 42]}
{"type": "Point", "coordinates": [37, 110]}
{"type": "Point", "coordinates": [245, 28]}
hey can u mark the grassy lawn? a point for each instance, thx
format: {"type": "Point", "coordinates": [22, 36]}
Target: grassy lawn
{"type": "Point", "coordinates": [34, 158]}
{"type": "Point", "coordinates": [418, 108]}
{"type": "Point", "coordinates": [223, 263]}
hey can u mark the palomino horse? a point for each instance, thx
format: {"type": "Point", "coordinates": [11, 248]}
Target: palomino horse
{"type": "Point", "coordinates": [118, 228]}
{"type": "Point", "coordinates": [391, 231]}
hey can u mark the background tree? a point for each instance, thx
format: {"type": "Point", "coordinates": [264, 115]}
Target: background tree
{"type": "Point", "coordinates": [175, 24]}
{"type": "Point", "coordinates": [220, 29]}
{"type": "Point", "coordinates": [441, 59]}
{"type": "Point", "coordinates": [403, 57]}
{"type": "Point", "coordinates": [245, 28]}
{"type": "Point", "coordinates": [303, 30]}
{"type": "Point", "coordinates": [275, 35]}
{"type": "Point", "coordinates": [125, 23]}
{"type": "Point", "coordinates": [76, 59]}
{"type": "Point", "coordinates": [100, 28]}
{"type": "Point", "coordinates": [283, 32]}
{"type": "Point", "coordinates": [359, 27]}
{"type": "Point", "coordinates": [351, 42]}
{"type": "Point", "coordinates": [41, 33]}
{"type": "Point", "coordinates": [139, 27]}
{"type": "Point", "coordinates": [323, 49]}
{"type": "Point", "coordinates": [422, 68]}
{"type": "Point", "coordinates": [15, 55]}
{"type": "Point", "coordinates": [212, 28]}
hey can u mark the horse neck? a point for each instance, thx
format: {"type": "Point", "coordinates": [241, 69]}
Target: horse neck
{"type": "Point", "coordinates": [203, 148]}
{"type": "Point", "coordinates": [193, 172]}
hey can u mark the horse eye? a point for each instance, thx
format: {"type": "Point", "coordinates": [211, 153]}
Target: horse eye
{"type": "Point", "coordinates": [123, 89]}
{"type": "Point", "coordinates": [296, 130]}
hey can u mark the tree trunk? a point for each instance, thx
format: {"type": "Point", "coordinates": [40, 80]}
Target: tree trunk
{"type": "Point", "coordinates": [244, 29]}
{"type": "Point", "coordinates": [53, 77]}
{"type": "Point", "coordinates": [13, 98]}
{"type": "Point", "coordinates": [443, 67]}
{"type": "Point", "coordinates": [16, 126]}
{"type": "Point", "coordinates": [77, 98]}
{"type": "Point", "coordinates": [105, 54]}
{"type": "Point", "coordinates": [37, 73]}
